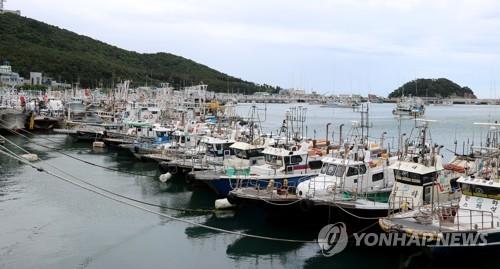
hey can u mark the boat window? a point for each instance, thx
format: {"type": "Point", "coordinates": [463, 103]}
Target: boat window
{"type": "Point", "coordinates": [481, 191]}
{"type": "Point", "coordinates": [466, 189]}
{"type": "Point", "coordinates": [352, 171]}
{"type": "Point", "coordinates": [324, 168]}
{"type": "Point", "coordinates": [331, 169]}
{"type": "Point", "coordinates": [291, 160]}
{"type": "Point", "coordinates": [362, 169]}
{"type": "Point", "coordinates": [315, 164]}
{"type": "Point", "coordinates": [427, 178]}
{"type": "Point", "coordinates": [272, 159]}
{"type": "Point", "coordinates": [296, 159]}
{"type": "Point", "coordinates": [414, 178]}
{"type": "Point", "coordinates": [242, 154]}
{"type": "Point", "coordinates": [378, 176]}
{"type": "Point", "coordinates": [340, 171]}
{"type": "Point", "coordinates": [255, 153]}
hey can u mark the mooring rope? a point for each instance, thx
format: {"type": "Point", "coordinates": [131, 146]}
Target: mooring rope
{"type": "Point", "coordinates": [109, 196]}
{"type": "Point", "coordinates": [70, 156]}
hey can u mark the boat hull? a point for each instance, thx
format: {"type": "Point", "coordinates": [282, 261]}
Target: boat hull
{"type": "Point", "coordinates": [12, 119]}
{"type": "Point", "coordinates": [223, 185]}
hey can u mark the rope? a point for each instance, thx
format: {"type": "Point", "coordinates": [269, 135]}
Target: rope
{"type": "Point", "coordinates": [14, 144]}
{"type": "Point", "coordinates": [8, 150]}
{"type": "Point", "coordinates": [277, 204]}
{"type": "Point", "coordinates": [70, 156]}
{"type": "Point", "coordinates": [114, 193]}
{"type": "Point", "coordinates": [41, 169]}
{"type": "Point", "coordinates": [130, 198]}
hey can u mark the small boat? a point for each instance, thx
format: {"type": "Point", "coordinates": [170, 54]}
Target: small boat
{"type": "Point", "coordinates": [209, 154]}
{"type": "Point", "coordinates": [281, 164]}
{"type": "Point", "coordinates": [409, 106]}
{"type": "Point", "coordinates": [435, 207]}
{"type": "Point", "coordinates": [473, 222]}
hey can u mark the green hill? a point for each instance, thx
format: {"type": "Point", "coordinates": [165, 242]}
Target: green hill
{"type": "Point", "coordinates": [31, 45]}
{"type": "Point", "coordinates": [440, 87]}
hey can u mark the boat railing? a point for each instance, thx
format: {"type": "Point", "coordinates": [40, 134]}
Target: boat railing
{"type": "Point", "coordinates": [272, 188]}
{"type": "Point", "coordinates": [398, 203]}
{"type": "Point", "coordinates": [464, 219]}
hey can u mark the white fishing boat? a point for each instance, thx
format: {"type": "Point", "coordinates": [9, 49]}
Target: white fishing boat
{"type": "Point", "coordinates": [409, 106]}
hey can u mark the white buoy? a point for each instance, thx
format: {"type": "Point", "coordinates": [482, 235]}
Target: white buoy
{"type": "Point", "coordinates": [29, 157]}
{"type": "Point", "coordinates": [98, 144]}
{"type": "Point", "coordinates": [165, 177]}
{"type": "Point", "coordinates": [223, 204]}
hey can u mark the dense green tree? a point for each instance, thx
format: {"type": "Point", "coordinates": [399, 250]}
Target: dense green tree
{"type": "Point", "coordinates": [440, 87]}
{"type": "Point", "coordinates": [30, 45]}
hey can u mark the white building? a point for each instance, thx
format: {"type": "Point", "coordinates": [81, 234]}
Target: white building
{"type": "Point", "coordinates": [7, 77]}
{"type": "Point", "coordinates": [36, 78]}
{"type": "Point", "coordinates": [3, 10]}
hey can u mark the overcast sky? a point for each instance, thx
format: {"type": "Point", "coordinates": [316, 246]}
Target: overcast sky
{"type": "Point", "coordinates": [336, 46]}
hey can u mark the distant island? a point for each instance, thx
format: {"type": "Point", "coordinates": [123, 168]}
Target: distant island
{"type": "Point", "coordinates": [441, 88]}
{"type": "Point", "coordinates": [31, 45]}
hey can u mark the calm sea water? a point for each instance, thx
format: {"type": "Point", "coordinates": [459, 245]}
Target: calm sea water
{"type": "Point", "coordinates": [47, 223]}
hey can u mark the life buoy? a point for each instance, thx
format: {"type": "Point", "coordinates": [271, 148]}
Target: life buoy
{"type": "Point", "coordinates": [150, 116]}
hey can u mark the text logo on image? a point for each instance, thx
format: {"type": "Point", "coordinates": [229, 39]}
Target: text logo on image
{"type": "Point", "coordinates": [332, 239]}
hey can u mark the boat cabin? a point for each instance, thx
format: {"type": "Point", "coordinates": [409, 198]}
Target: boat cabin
{"type": "Point", "coordinates": [417, 185]}
{"type": "Point", "coordinates": [348, 175]}
{"type": "Point", "coordinates": [479, 203]}
{"type": "Point", "coordinates": [289, 160]}
{"type": "Point", "coordinates": [217, 147]}
{"type": "Point", "coordinates": [244, 151]}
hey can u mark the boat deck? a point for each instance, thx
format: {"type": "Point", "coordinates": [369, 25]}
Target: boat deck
{"type": "Point", "coordinates": [348, 202]}
{"type": "Point", "coordinates": [159, 157]}
{"type": "Point", "coordinates": [265, 195]}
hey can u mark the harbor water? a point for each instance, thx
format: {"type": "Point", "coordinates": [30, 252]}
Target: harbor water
{"type": "Point", "coordinates": [49, 223]}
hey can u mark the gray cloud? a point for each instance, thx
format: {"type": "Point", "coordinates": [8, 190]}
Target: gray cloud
{"type": "Point", "coordinates": [331, 46]}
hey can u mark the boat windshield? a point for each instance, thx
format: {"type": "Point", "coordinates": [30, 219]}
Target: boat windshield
{"type": "Point", "coordinates": [481, 191]}
{"type": "Point", "coordinates": [247, 154]}
{"type": "Point", "coordinates": [273, 159]}
{"type": "Point", "coordinates": [160, 133]}
{"type": "Point", "coordinates": [414, 178]}
{"type": "Point", "coordinates": [331, 169]}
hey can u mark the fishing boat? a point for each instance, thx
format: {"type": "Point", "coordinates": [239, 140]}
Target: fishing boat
{"type": "Point", "coordinates": [12, 116]}
{"type": "Point", "coordinates": [471, 211]}
{"type": "Point", "coordinates": [281, 164]}
{"type": "Point", "coordinates": [474, 217]}
{"type": "Point", "coordinates": [356, 179]}
{"type": "Point", "coordinates": [208, 154]}
{"type": "Point", "coordinates": [409, 106]}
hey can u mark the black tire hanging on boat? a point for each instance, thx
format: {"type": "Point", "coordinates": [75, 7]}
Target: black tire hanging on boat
{"type": "Point", "coordinates": [173, 169]}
